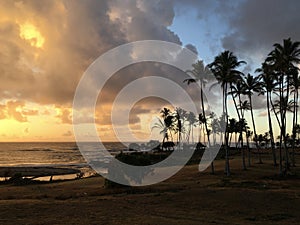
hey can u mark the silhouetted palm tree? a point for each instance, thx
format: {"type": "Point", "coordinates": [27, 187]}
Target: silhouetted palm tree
{"type": "Point", "coordinates": [224, 69]}
{"type": "Point", "coordinates": [191, 118]}
{"type": "Point", "coordinates": [180, 115]}
{"type": "Point", "coordinates": [283, 59]}
{"type": "Point", "coordinates": [268, 84]}
{"type": "Point", "coordinates": [251, 85]}
{"type": "Point", "coordinates": [166, 124]}
{"type": "Point", "coordinates": [244, 106]}
{"type": "Point", "coordinates": [201, 121]}
{"type": "Point", "coordinates": [237, 90]}
{"type": "Point", "coordinates": [202, 74]}
{"type": "Point", "coordinates": [232, 127]}
{"type": "Point", "coordinates": [215, 127]}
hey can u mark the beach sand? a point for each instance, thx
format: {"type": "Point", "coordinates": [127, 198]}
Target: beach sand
{"type": "Point", "coordinates": [255, 196]}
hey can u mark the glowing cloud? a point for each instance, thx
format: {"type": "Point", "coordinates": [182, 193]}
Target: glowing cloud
{"type": "Point", "coordinates": [30, 33]}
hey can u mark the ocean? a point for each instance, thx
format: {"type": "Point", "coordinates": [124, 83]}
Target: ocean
{"type": "Point", "coordinates": [47, 153]}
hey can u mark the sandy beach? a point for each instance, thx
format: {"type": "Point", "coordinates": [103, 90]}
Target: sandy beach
{"type": "Point", "coordinates": [255, 196]}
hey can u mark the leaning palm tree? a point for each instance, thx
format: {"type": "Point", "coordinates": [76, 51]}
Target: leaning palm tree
{"type": "Point", "coordinates": [251, 85]}
{"type": "Point", "coordinates": [224, 69]}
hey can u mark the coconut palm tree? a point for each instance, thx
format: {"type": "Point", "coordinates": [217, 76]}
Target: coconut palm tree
{"type": "Point", "coordinates": [244, 106]}
{"type": "Point", "coordinates": [237, 90]}
{"type": "Point", "coordinates": [201, 121]}
{"type": "Point", "coordinates": [224, 69]}
{"type": "Point", "coordinates": [283, 59]}
{"type": "Point", "coordinates": [215, 127]}
{"type": "Point", "coordinates": [180, 117]}
{"type": "Point", "coordinates": [191, 119]}
{"type": "Point", "coordinates": [251, 85]}
{"type": "Point", "coordinates": [232, 128]}
{"type": "Point", "coordinates": [201, 74]}
{"type": "Point", "coordinates": [166, 124]}
{"type": "Point", "coordinates": [268, 84]}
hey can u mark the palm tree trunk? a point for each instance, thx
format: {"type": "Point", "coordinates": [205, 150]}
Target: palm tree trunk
{"type": "Point", "coordinates": [287, 154]}
{"type": "Point", "coordinates": [249, 151]}
{"type": "Point", "coordinates": [294, 126]}
{"type": "Point", "coordinates": [230, 138]}
{"type": "Point", "coordinates": [206, 127]}
{"type": "Point", "coordinates": [192, 135]}
{"type": "Point", "coordinates": [281, 125]}
{"type": "Point", "coordinates": [274, 110]}
{"type": "Point", "coordinates": [227, 166]}
{"type": "Point", "coordinates": [254, 129]}
{"type": "Point", "coordinates": [241, 136]}
{"type": "Point", "coordinates": [271, 129]}
{"type": "Point", "coordinates": [200, 131]}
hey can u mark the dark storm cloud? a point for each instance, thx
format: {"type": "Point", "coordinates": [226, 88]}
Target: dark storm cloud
{"type": "Point", "coordinates": [257, 25]}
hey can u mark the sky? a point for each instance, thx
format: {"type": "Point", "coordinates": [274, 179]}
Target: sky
{"type": "Point", "coordinates": [46, 46]}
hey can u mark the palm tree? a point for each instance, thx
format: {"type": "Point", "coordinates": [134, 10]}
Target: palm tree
{"type": "Point", "coordinates": [283, 59]}
{"type": "Point", "coordinates": [201, 121]}
{"type": "Point", "coordinates": [215, 127]}
{"type": "Point", "coordinates": [180, 116]}
{"type": "Point", "coordinates": [244, 106]}
{"type": "Point", "coordinates": [268, 85]}
{"type": "Point", "coordinates": [191, 118]}
{"type": "Point", "coordinates": [267, 138]}
{"type": "Point", "coordinates": [166, 124]}
{"type": "Point", "coordinates": [224, 69]}
{"type": "Point", "coordinates": [201, 73]}
{"type": "Point", "coordinates": [231, 128]}
{"type": "Point", "coordinates": [297, 128]}
{"type": "Point", "coordinates": [251, 85]}
{"type": "Point", "coordinates": [237, 90]}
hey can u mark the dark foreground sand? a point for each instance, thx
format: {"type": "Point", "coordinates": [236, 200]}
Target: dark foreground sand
{"type": "Point", "coordinates": [254, 196]}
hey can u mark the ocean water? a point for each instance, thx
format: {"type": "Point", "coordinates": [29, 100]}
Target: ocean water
{"type": "Point", "coordinates": [52, 153]}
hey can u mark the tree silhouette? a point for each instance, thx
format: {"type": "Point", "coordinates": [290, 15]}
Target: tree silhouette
{"type": "Point", "coordinates": [202, 74]}
{"type": "Point", "coordinates": [251, 85]}
{"type": "Point", "coordinates": [224, 68]}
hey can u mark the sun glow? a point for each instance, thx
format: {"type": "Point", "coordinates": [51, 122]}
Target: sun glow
{"type": "Point", "coordinates": [30, 33]}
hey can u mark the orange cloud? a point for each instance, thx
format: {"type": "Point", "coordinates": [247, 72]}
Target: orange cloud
{"type": "Point", "coordinates": [16, 110]}
{"type": "Point", "coordinates": [64, 115]}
